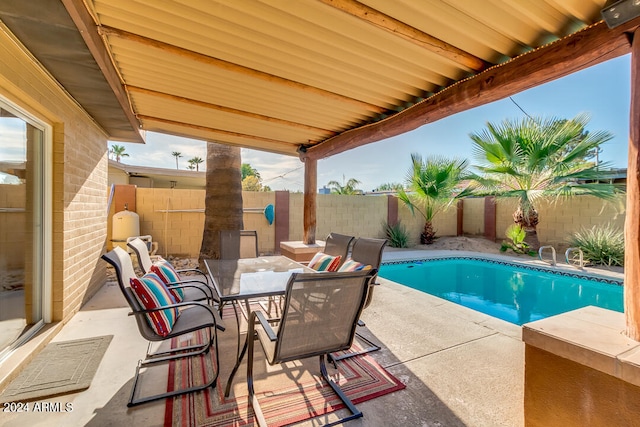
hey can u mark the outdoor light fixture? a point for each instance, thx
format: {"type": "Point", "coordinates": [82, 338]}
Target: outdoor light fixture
{"type": "Point", "coordinates": [173, 184]}
{"type": "Point", "coordinates": [617, 12]}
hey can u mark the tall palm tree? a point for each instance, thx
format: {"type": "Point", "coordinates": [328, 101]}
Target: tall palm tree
{"type": "Point", "coordinates": [118, 151]}
{"type": "Point", "coordinates": [196, 161]}
{"type": "Point", "coordinates": [177, 155]}
{"type": "Point", "coordinates": [534, 159]}
{"type": "Point", "coordinates": [223, 197]}
{"type": "Point", "coordinates": [433, 185]}
{"type": "Point", "coordinates": [345, 188]}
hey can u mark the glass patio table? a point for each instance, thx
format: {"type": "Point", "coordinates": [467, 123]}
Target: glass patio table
{"type": "Point", "coordinates": [248, 278]}
{"type": "Point", "coordinates": [239, 280]}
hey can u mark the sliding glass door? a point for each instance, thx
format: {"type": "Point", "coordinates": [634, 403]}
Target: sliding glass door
{"type": "Point", "coordinates": [23, 226]}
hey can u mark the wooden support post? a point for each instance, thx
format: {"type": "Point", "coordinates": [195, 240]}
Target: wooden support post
{"type": "Point", "coordinates": [310, 197]}
{"type": "Point", "coordinates": [632, 219]}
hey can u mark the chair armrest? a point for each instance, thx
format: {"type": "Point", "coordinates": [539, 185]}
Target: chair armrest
{"type": "Point", "coordinates": [194, 270]}
{"type": "Point", "coordinates": [207, 307]}
{"type": "Point", "coordinates": [183, 285]}
{"type": "Point", "coordinates": [265, 324]}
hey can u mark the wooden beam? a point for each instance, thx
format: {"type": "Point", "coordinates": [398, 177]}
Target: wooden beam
{"type": "Point", "coordinates": [235, 68]}
{"type": "Point", "coordinates": [224, 109]}
{"type": "Point", "coordinates": [593, 45]}
{"type": "Point", "coordinates": [274, 145]}
{"type": "Point", "coordinates": [310, 198]}
{"type": "Point", "coordinates": [407, 32]}
{"type": "Point", "coordinates": [89, 32]}
{"type": "Point", "coordinates": [632, 218]}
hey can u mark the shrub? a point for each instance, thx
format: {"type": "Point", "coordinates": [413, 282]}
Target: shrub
{"type": "Point", "coordinates": [600, 245]}
{"type": "Point", "coordinates": [396, 234]}
{"type": "Point", "coordinates": [516, 234]}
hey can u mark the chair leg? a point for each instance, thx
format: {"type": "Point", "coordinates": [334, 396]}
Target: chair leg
{"type": "Point", "coordinates": [253, 400]}
{"type": "Point", "coordinates": [372, 347]}
{"type": "Point", "coordinates": [355, 412]}
{"type": "Point", "coordinates": [178, 353]}
{"type": "Point", "coordinates": [213, 341]}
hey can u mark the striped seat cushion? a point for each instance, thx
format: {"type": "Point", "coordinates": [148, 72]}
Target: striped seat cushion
{"type": "Point", "coordinates": [169, 276]}
{"type": "Point", "coordinates": [324, 262]}
{"type": "Point", "coordinates": [151, 292]}
{"type": "Point", "coordinates": [352, 265]}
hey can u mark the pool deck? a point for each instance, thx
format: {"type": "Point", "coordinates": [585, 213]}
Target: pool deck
{"type": "Point", "coordinates": [461, 367]}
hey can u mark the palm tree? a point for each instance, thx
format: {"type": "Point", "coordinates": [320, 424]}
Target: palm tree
{"type": "Point", "coordinates": [346, 188]}
{"type": "Point", "coordinates": [535, 159]}
{"type": "Point", "coordinates": [433, 184]}
{"type": "Point", "coordinates": [118, 151]}
{"type": "Point", "coordinates": [248, 170]}
{"type": "Point", "coordinates": [223, 197]}
{"type": "Point", "coordinates": [196, 162]}
{"type": "Point", "coordinates": [177, 155]}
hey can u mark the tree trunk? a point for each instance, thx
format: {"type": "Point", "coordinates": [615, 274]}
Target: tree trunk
{"type": "Point", "coordinates": [428, 235]}
{"type": "Point", "coordinates": [529, 223]}
{"type": "Point", "coordinates": [223, 197]}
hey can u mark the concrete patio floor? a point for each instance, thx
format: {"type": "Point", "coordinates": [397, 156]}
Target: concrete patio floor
{"type": "Point", "coordinates": [461, 367]}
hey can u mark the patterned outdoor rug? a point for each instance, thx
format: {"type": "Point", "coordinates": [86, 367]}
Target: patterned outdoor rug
{"type": "Point", "coordinates": [287, 393]}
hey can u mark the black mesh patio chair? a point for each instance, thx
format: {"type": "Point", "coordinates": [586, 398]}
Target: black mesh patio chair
{"type": "Point", "coordinates": [338, 244]}
{"type": "Point", "coordinates": [139, 247]}
{"type": "Point", "coordinates": [309, 326]}
{"type": "Point", "coordinates": [193, 316]}
{"type": "Point", "coordinates": [238, 244]}
{"type": "Point", "coordinates": [369, 252]}
{"type": "Point", "coordinates": [145, 263]}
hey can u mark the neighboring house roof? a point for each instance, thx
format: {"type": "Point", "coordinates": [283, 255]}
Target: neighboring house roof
{"type": "Point", "coordinates": [316, 77]}
{"type": "Point", "coordinates": [162, 178]}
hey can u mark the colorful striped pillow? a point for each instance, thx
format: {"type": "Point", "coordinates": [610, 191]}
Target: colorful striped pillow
{"type": "Point", "coordinates": [352, 265]}
{"type": "Point", "coordinates": [324, 262]}
{"type": "Point", "coordinates": [169, 276]}
{"type": "Point", "coordinates": [151, 292]}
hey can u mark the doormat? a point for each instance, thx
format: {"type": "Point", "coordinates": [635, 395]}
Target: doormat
{"type": "Point", "coordinates": [60, 368]}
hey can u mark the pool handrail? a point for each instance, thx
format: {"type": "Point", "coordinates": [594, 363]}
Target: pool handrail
{"type": "Point", "coordinates": [581, 260]}
{"type": "Point", "coordinates": [553, 254]}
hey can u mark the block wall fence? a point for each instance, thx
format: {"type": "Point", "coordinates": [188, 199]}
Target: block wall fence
{"type": "Point", "coordinates": [175, 217]}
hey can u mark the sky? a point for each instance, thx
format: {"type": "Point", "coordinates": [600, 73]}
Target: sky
{"type": "Point", "coordinates": [602, 91]}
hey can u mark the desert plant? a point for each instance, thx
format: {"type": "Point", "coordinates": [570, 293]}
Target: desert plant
{"type": "Point", "coordinates": [516, 234]}
{"type": "Point", "coordinates": [600, 245]}
{"type": "Point", "coordinates": [396, 234]}
{"type": "Point", "coordinates": [535, 159]}
{"type": "Point", "coordinates": [433, 184]}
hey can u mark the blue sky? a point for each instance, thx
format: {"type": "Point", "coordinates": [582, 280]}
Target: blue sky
{"type": "Point", "coordinates": [602, 91]}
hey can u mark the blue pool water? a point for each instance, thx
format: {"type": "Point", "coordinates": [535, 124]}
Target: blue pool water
{"type": "Point", "coordinates": [506, 291]}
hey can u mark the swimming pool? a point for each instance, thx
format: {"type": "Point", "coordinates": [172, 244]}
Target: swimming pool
{"type": "Point", "coordinates": [511, 292]}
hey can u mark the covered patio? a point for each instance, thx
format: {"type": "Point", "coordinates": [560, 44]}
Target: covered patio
{"type": "Point", "coordinates": [310, 79]}
{"type": "Point", "coordinates": [460, 367]}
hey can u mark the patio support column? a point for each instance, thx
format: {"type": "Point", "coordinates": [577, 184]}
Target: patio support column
{"type": "Point", "coordinates": [632, 218]}
{"type": "Point", "coordinates": [310, 196]}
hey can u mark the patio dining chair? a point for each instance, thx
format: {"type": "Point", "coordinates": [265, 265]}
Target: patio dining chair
{"type": "Point", "coordinates": [238, 244]}
{"type": "Point", "coordinates": [146, 265]}
{"type": "Point", "coordinates": [160, 319]}
{"type": "Point", "coordinates": [366, 253]}
{"type": "Point", "coordinates": [309, 327]}
{"type": "Point", "coordinates": [338, 244]}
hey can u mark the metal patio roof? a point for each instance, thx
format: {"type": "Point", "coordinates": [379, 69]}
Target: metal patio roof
{"type": "Point", "coordinates": [307, 76]}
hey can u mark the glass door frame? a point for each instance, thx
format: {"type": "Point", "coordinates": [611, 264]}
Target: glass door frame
{"type": "Point", "coordinates": [44, 177]}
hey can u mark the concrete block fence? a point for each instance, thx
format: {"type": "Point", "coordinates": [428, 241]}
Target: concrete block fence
{"type": "Point", "coordinates": [175, 217]}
